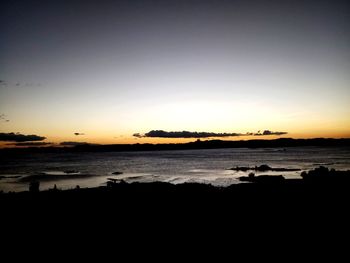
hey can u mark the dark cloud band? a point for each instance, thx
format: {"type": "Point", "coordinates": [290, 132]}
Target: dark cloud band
{"type": "Point", "coordinates": [267, 132]}
{"type": "Point", "coordinates": [17, 137]}
{"type": "Point", "coordinates": [183, 134]}
{"type": "Point", "coordinates": [188, 134]}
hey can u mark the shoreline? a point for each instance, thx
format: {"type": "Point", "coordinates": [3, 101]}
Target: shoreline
{"type": "Point", "coordinates": [321, 177]}
{"type": "Point", "coordinates": [262, 205]}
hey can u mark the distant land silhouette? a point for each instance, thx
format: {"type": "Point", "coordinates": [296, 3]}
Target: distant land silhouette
{"type": "Point", "coordinates": [208, 144]}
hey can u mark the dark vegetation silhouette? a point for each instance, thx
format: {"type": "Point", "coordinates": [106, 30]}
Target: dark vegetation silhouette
{"type": "Point", "coordinates": [256, 208]}
{"type": "Point", "coordinates": [34, 186]}
{"type": "Point", "coordinates": [319, 186]}
{"type": "Point", "coordinates": [283, 143]}
{"type": "Point", "coordinates": [70, 143]}
{"type": "Point", "coordinates": [267, 210]}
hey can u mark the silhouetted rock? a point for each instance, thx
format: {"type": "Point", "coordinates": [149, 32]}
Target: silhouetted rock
{"type": "Point", "coordinates": [53, 177]}
{"type": "Point", "coordinates": [241, 168]}
{"type": "Point", "coordinates": [323, 174]}
{"type": "Point", "coordinates": [263, 168]}
{"type": "Point", "coordinates": [251, 175]}
{"type": "Point", "coordinates": [113, 181]}
{"type": "Point", "coordinates": [71, 171]}
{"type": "Point", "coordinates": [262, 178]}
{"type": "Point", "coordinates": [285, 169]}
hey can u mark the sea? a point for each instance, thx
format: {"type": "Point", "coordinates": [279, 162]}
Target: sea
{"type": "Point", "coordinates": [209, 166]}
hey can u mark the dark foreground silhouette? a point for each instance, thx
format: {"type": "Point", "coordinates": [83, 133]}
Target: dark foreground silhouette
{"type": "Point", "coordinates": [320, 191]}
{"type": "Point", "coordinates": [265, 215]}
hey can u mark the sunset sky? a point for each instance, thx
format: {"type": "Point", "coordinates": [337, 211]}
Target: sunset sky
{"type": "Point", "coordinates": [110, 69]}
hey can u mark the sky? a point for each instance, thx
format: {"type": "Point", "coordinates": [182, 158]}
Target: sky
{"type": "Point", "coordinates": [103, 71]}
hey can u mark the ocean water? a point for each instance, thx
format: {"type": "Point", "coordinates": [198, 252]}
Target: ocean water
{"type": "Point", "coordinates": [203, 166]}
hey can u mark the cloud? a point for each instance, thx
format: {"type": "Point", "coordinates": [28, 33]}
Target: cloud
{"type": "Point", "coordinates": [183, 134]}
{"type": "Point", "coordinates": [73, 143]}
{"type": "Point", "coordinates": [17, 137]}
{"type": "Point", "coordinates": [32, 84]}
{"type": "Point", "coordinates": [78, 133]}
{"type": "Point", "coordinates": [3, 118]}
{"type": "Point", "coordinates": [188, 134]}
{"type": "Point", "coordinates": [268, 132]}
{"type": "Point", "coordinates": [138, 135]}
{"type": "Point", "coordinates": [30, 143]}
{"type": "Point", "coordinates": [19, 83]}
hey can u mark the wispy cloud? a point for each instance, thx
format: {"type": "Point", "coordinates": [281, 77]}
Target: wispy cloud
{"type": "Point", "coordinates": [188, 134]}
{"type": "Point", "coordinates": [3, 118]}
{"type": "Point", "coordinates": [17, 137]}
{"type": "Point", "coordinates": [78, 133]}
{"type": "Point", "coordinates": [19, 83]}
{"type": "Point", "coordinates": [138, 135]}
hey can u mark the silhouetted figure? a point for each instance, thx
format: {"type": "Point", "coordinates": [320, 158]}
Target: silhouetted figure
{"type": "Point", "coordinates": [34, 186]}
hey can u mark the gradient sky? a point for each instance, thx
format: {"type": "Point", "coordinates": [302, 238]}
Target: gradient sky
{"type": "Point", "coordinates": [109, 69]}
